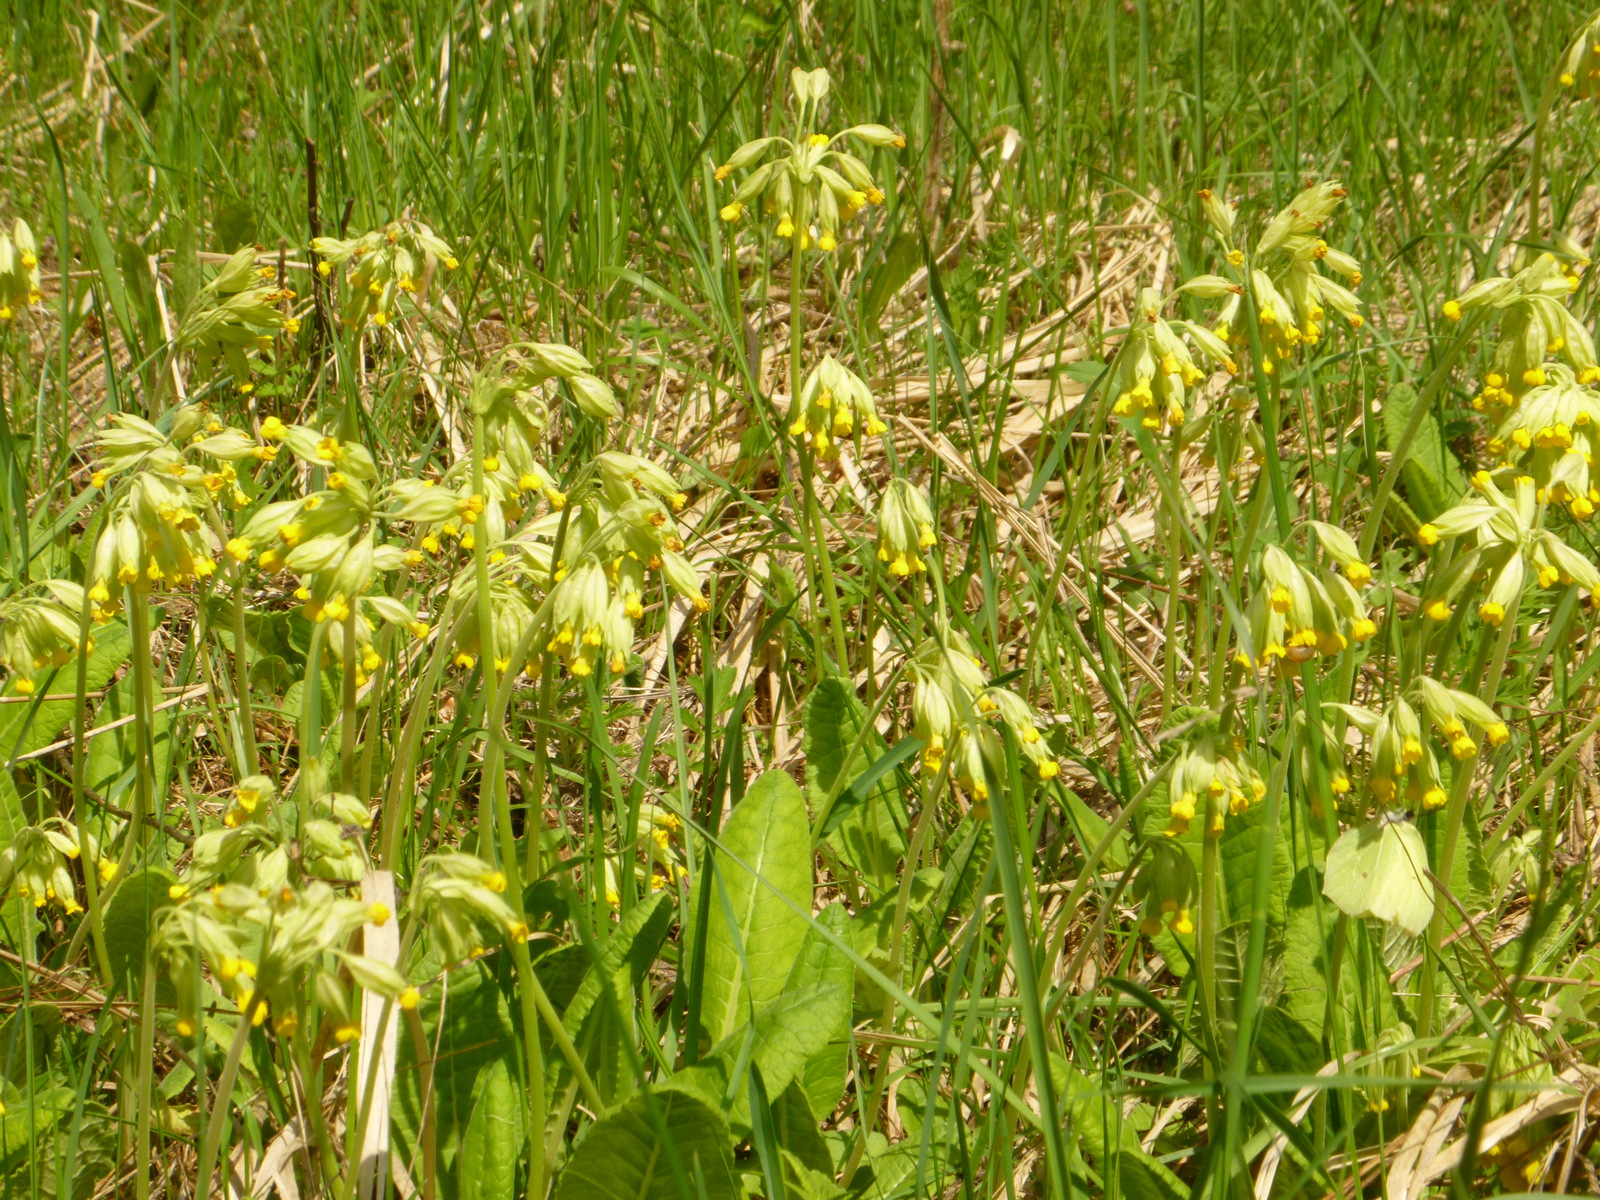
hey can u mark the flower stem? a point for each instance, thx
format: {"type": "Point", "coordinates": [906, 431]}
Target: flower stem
{"type": "Point", "coordinates": [495, 807]}
{"type": "Point", "coordinates": [1460, 791]}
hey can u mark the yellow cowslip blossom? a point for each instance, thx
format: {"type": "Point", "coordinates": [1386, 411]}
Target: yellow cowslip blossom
{"type": "Point", "coordinates": [1295, 616]}
{"type": "Point", "coordinates": [1511, 548]}
{"type": "Point", "coordinates": [238, 314]}
{"type": "Point", "coordinates": [383, 265]}
{"type": "Point", "coordinates": [456, 900]}
{"type": "Point", "coordinates": [1319, 756]}
{"type": "Point", "coordinates": [626, 475]}
{"type": "Point", "coordinates": [834, 404]}
{"type": "Point", "coordinates": [1532, 326]}
{"type": "Point", "coordinates": [582, 625]}
{"type": "Point", "coordinates": [905, 527]}
{"type": "Point", "coordinates": [1291, 295]}
{"type": "Point", "coordinates": [39, 631]}
{"type": "Point", "coordinates": [1553, 435]}
{"type": "Point", "coordinates": [509, 396]}
{"type": "Point", "coordinates": [251, 795]}
{"type": "Point", "coordinates": [1341, 547]}
{"type": "Point", "coordinates": [19, 270]}
{"type": "Point", "coordinates": [160, 526]}
{"type": "Point", "coordinates": [975, 761]}
{"type": "Point", "coordinates": [1019, 717]}
{"type": "Point", "coordinates": [1403, 769]}
{"type": "Point", "coordinates": [512, 615]}
{"type": "Point", "coordinates": [1452, 711]}
{"type": "Point", "coordinates": [37, 864]}
{"type": "Point", "coordinates": [1210, 776]}
{"type": "Point", "coordinates": [1155, 365]}
{"type": "Point", "coordinates": [507, 393]}
{"type": "Point", "coordinates": [1579, 68]}
{"type": "Point", "coordinates": [625, 529]}
{"type": "Point", "coordinates": [951, 704]}
{"type": "Point", "coordinates": [270, 948]}
{"type": "Point", "coordinates": [813, 185]}
{"type": "Point", "coordinates": [1166, 889]}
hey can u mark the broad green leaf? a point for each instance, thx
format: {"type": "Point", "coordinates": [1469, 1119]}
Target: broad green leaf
{"type": "Point", "coordinates": [755, 924]}
{"type": "Point", "coordinates": [128, 922]}
{"type": "Point", "coordinates": [487, 1164]}
{"type": "Point", "coordinates": [624, 958]}
{"type": "Point", "coordinates": [822, 1076]}
{"type": "Point", "coordinates": [1432, 476]}
{"type": "Point", "coordinates": [808, 1182]}
{"type": "Point", "coordinates": [26, 727]}
{"type": "Point", "coordinates": [474, 1035]}
{"type": "Point", "coordinates": [1238, 847]}
{"type": "Point", "coordinates": [867, 833]}
{"type": "Point", "coordinates": [796, 1127]}
{"type": "Point", "coordinates": [660, 1145]}
{"type": "Point", "coordinates": [113, 756]}
{"type": "Point", "coordinates": [590, 1021]}
{"type": "Point", "coordinates": [23, 1123]}
{"type": "Point", "coordinates": [18, 926]}
{"type": "Point", "coordinates": [784, 1036]}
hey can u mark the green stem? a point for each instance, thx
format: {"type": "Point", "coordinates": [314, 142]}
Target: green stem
{"type": "Point", "coordinates": [147, 1041]}
{"type": "Point", "coordinates": [1460, 792]}
{"type": "Point", "coordinates": [223, 1095]}
{"type": "Point", "coordinates": [813, 542]}
{"type": "Point", "coordinates": [80, 817]}
{"type": "Point", "coordinates": [347, 707]}
{"type": "Point", "coordinates": [241, 667]}
{"type": "Point", "coordinates": [1536, 161]}
{"type": "Point", "coordinates": [819, 539]}
{"type": "Point", "coordinates": [1019, 935]}
{"type": "Point", "coordinates": [139, 627]}
{"type": "Point", "coordinates": [1206, 947]}
{"type": "Point", "coordinates": [495, 802]}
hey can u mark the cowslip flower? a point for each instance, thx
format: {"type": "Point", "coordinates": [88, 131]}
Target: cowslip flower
{"type": "Point", "coordinates": [1553, 435]}
{"type": "Point", "coordinates": [1166, 889]}
{"type": "Point", "coordinates": [1579, 68]}
{"type": "Point", "coordinates": [237, 316]}
{"type": "Point", "coordinates": [1156, 366]}
{"type": "Point", "coordinates": [39, 631]}
{"type": "Point", "coordinates": [905, 528]}
{"type": "Point", "coordinates": [1532, 326]}
{"type": "Point", "coordinates": [38, 864]}
{"type": "Point", "coordinates": [1291, 294]}
{"type": "Point", "coordinates": [812, 185]}
{"type": "Point", "coordinates": [1295, 615]}
{"type": "Point", "coordinates": [1511, 548]}
{"type": "Point", "coordinates": [382, 265]}
{"type": "Point", "coordinates": [834, 403]}
{"type": "Point", "coordinates": [951, 704]}
{"type": "Point", "coordinates": [1210, 774]}
{"type": "Point", "coordinates": [19, 270]}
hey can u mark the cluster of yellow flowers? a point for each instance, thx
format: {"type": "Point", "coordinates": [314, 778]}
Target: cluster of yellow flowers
{"type": "Point", "coordinates": [384, 264]}
{"type": "Point", "coordinates": [1297, 614]}
{"type": "Point", "coordinates": [815, 184]}
{"type": "Point", "coordinates": [19, 270]}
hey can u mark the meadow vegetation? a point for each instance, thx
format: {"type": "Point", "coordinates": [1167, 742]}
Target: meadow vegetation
{"type": "Point", "coordinates": [862, 598]}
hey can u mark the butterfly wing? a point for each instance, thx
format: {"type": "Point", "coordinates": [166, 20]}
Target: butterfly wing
{"type": "Point", "coordinates": [1404, 893]}
{"type": "Point", "coordinates": [1350, 878]}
